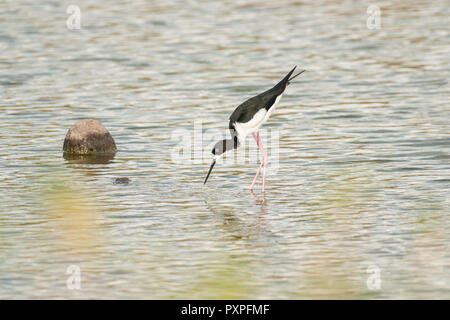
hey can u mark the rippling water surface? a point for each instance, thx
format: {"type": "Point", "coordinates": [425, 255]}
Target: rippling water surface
{"type": "Point", "coordinates": [360, 180]}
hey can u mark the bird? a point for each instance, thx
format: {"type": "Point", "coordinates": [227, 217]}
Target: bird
{"type": "Point", "coordinates": [246, 119]}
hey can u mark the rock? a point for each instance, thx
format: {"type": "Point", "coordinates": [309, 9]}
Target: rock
{"type": "Point", "coordinates": [88, 137]}
{"type": "Point", "coordinates": [122, 181]}
{"type": "Point", "coordinates": [100, 158]}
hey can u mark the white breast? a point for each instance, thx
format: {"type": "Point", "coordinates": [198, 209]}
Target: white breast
{"type": "Point", "coordinates": [277, 100]}
{"type": "Point", "coordinates": [244, 129]}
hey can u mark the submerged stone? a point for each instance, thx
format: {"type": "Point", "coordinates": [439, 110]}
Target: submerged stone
{"type": "Point", "coordinates": [122, 181]}
{"type": "Point", "coordinates": [89, 137]}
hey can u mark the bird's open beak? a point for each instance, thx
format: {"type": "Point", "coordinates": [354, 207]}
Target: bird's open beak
{"type": "Point", "coordinates": [210, 169]}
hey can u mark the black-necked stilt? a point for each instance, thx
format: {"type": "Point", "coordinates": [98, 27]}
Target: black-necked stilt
{"type": "Point", "coordinates": [247, 118]}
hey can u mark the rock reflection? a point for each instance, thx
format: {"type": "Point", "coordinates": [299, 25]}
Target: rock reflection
{"type": "Point", "coordinates": [104, 158]}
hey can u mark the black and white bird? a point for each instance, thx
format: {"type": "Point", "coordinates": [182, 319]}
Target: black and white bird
{"type": "Point", "coordinates": [247, 118]}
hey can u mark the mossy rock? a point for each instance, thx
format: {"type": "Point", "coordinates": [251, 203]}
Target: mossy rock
{"type": "Point", "coordinates": [89, 137]}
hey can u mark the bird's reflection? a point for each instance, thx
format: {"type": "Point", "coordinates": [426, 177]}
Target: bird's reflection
{"type": "Point", "coordinates": [236, 222]}
{"type": "Point", "coordinates": [261, 201]}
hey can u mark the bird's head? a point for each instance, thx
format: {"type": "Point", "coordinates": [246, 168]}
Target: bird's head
{"type": "Point", "coordinates": [220, 149]}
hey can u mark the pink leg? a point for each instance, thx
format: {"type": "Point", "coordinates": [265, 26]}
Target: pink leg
{"type": "Point", "coordinates": [256, 136]}
{"type": "Point", "coordinates": [263, 163]}
{"type": "Point", "coordinates": [256, 177]}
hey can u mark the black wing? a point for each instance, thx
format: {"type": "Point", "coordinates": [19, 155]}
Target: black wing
{"type": "Point", "coordinates": [245, 111]}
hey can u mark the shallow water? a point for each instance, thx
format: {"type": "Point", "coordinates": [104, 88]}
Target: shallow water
{"type": "Point", "coordinates": [360, 160]}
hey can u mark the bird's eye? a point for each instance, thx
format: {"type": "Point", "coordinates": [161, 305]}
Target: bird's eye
{"type": "Point", "coordinates": [214, 151]}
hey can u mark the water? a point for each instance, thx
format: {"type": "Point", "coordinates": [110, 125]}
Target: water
{"type": "Point", "coordinates": [362, 188]}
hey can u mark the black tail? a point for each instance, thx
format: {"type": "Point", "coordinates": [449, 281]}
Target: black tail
{"type": "Point", "coordinates": [296, 75]}
{"type": "Point", "coordinates": [288, 78]}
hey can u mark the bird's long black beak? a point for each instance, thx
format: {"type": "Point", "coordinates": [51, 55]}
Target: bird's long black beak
{"type": "Point", "coordinates": [210, 169]}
